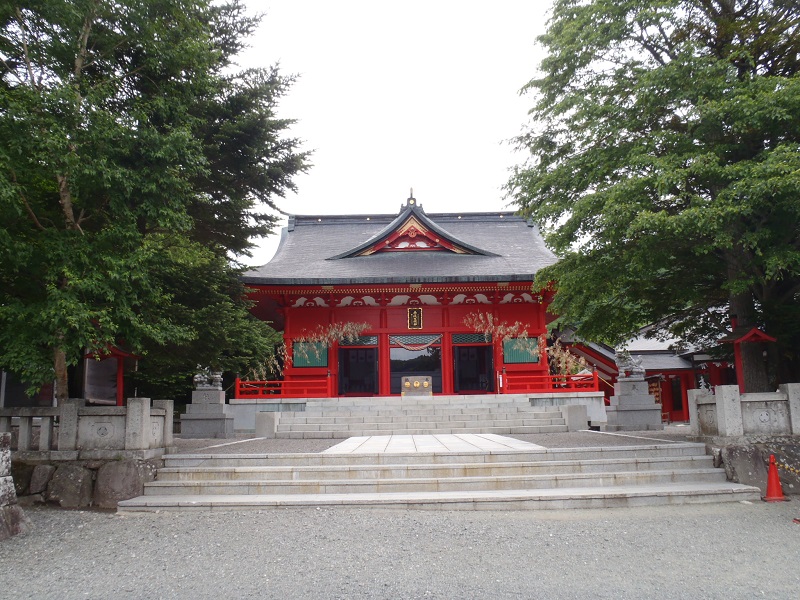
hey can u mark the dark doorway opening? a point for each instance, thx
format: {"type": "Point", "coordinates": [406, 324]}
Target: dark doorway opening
{"type": "Point", "coordinates": [358, 371]}
{"type": "Point", "coordinates": [473, 372]}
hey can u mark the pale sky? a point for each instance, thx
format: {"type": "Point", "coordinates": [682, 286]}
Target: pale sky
{"type": "Point", "coordinates": [399, 95]}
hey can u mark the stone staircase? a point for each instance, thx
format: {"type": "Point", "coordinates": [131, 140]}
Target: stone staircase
{"type": "Point", "coordinates": [341, 418]}
{"type": "Point", "coordinates": [535, 478]}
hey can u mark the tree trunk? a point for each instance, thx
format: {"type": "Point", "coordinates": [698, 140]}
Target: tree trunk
{"type": "Point", "coordinates": [754, 366]}
{"type": "Point", "coordinates": [62, 382]}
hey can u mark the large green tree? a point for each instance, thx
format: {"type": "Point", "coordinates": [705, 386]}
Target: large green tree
{"type": "Point", "coordinates": [133, 163]}
{"type": "Point", "coordinates": [665, 169]}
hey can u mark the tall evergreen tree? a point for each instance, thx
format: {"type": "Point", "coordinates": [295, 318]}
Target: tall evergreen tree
{"type": "Point", "coordinates": [665, 168]}
{"type": "Point", "coordinates": [132, 154]}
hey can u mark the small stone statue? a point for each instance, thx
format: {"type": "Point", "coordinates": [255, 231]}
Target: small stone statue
{"type": "Point", "coordinates": [200, 379]}
{"type": "Point", "coordinates": [628, 366]}
{"type": "Point", "coordinates": [216, 380]}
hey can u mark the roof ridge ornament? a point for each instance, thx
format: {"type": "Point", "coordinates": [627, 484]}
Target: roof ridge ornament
{"type": "Point", "coordinates": [411, 200]}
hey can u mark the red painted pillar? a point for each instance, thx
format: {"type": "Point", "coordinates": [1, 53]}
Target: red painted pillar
{"type": "Point", "coordinates": [120, 381]}
{"type": "Point", "coordinates": [448, 375]}
{"type": "Point", "coordinates": [384, 368]}
{"type": "Point", "coordinates": [737, 353]}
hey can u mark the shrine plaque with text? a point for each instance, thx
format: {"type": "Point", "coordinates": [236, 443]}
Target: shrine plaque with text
{"type": "Point", "coordinates": [415, 318]}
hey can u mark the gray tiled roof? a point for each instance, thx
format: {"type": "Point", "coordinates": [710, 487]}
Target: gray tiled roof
{"type": "Point", "coordinates": [309, 243]}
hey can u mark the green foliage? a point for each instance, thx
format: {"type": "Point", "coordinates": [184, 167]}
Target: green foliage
{"type": "Point", "coordinates": [133, 167]}
{"type": "Point", "coordinates": [664, 166]}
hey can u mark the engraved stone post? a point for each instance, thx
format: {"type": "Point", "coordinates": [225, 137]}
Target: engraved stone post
{"type": "Point", "coordinates": [68, 424]}
{"type": "Point", "coordinates": [169, 410]}
{"type": "Point", "coordinates": [137, 424]}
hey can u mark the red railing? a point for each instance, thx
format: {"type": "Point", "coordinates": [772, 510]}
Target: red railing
{"type": "Point", "coordinates": [522, 384]}
{"type": "Point", "coordinates": [321, 386]}
{"type": "Point", "coordinates": [318, 387]}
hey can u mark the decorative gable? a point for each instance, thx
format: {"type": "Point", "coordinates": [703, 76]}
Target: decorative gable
{"type": "Point", "coordinates": [412, 231]}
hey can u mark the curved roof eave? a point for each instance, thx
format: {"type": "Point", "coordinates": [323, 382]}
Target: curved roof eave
{"type": "Point", "coordinates": [416, 211]}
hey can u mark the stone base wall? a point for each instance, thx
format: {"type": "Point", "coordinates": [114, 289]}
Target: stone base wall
{"type": "Point", "coordinates": [747, 460]}
{"type": "Point", "coordinates": [81, 483]}
{"type": "Point", "coordinates": [12, 519]}
{"type": "Point", "coordinates": [728, 413]}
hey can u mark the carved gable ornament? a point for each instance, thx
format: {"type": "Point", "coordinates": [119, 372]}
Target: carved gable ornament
{"type": "Point", "coordinates": [412, 231]}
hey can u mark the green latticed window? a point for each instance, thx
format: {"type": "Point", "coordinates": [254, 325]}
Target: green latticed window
{"type": "Point", "coordinates": [521, 350]}
{"type": "Point", "coordinates": [471, 338]}
{"type": "Point", "coordinates": [415, 339]}
{"type": "Point", "coordinates": [364, 340]}
{"type": "Point", "coordinates": [310, 354]}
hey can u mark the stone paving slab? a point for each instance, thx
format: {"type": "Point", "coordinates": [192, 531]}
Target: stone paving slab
{"type": "Point", "coordinates": [429, 443]}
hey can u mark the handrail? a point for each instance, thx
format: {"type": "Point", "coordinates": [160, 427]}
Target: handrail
{"type": "Point", "coordinates": [520, 384]}
{"type": "Point", "coordinates": [316, 387]}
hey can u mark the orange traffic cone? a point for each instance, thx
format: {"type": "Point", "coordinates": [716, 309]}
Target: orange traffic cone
{"type": "Point", "coordinates": [774, 489]}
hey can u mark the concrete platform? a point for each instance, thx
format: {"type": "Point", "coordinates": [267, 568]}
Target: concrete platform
{"type": "Point", "coordinates": [444, 442]}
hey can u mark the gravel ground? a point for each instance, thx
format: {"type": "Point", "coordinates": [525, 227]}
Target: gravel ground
{"type": "Point", "coordinates": [724, 551]}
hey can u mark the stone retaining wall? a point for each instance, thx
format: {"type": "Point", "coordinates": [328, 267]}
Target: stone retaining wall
{"type": "Point", "coordinates": [77, 456]}
{"type": "Point", "coordinates": [81, 483]}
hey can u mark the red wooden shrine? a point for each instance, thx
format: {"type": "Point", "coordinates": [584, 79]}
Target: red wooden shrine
{"type": "Point", "coordinates": [413, 282]}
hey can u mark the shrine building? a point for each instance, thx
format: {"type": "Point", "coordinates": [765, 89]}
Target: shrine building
{"type": "Point", "coordinates": [409, 289]}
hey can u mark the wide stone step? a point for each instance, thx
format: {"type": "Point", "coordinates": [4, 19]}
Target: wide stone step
{"type": "Point", "coordinates": [562, 498]}
{"type": "Point", "coordinates": [427, 424]}
{"type": "Point", "coordinates": [445, 429]}
{"type": "Point", "coordinates": [372, 403]}
{"type": "Point", "coordinates": [642, 452]}
{"type": "Point", "coordinates": [433, 484]}
{"type": "Point", "coordinates": [427, 471]}
{"type": "Point", "coordinates": [345, 417]}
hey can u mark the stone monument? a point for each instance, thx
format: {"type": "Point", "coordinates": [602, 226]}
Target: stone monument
{"type": "Point", "coordinates": [206, 417]}
{"type": "Point", "coordinates": [632, 407]}
{"type": "Point", "coordinates": [12, 520]}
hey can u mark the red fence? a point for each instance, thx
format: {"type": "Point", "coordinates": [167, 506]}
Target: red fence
{"type": "Point", "coordinates": [523, 384]}
{"type": "Point", "coordinates": [321, 387]}
{"type": "Point", "coordinates": [318, 387]}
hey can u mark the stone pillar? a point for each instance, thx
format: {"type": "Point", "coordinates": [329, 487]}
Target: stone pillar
{"type": "Point", "coordinates": [729, 411]}
{"type": "Point", "coordinates": [169, 411]}
{"type": "Point", "coordinates": [792, 391]}
{"type": "Point", "coordinates": [694, 416]}
{"type": "Point", "coordinates": [205, 417]}
{"type": "Point", "coordinates": [25, 434]}
{"type": "Point", "coordinates": [632, 407]}
{"type": "Point", "coordinates": [267, 424]}
{"type": "Point", "coordinates": [12, 519]}
{"type": "Point", "coordinates": [68, 424]}
{"type": "Point", "coordinates": [137, 424]}
{"type": "Point", "coordinates": [45, 433]}
{"type": "Point", "coordinates": [575, 416]}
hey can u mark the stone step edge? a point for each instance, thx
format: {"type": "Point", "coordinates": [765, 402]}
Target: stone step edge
{"type": "Point", "coordinates": [561, 498]}
{"type": "Point", "coordinates": [345, 434]}
{"type": "Point", "coordinates": [637, 462]}
{"type": "Point", "coordinates": [673, 474]}
{"type": "Point", "coordinates": [403, 425]}
{"type": "Point", "coordinates": [698, 448]}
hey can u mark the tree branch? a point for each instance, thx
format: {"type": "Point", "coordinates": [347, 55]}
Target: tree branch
{"type": "Point", "coordinates": [25, 52]}
{"type": "Point", "coordinates": [28, 208]}
{"type": "Point", "coordinates": [65, 199]}
{"type": "Point", "coordinates": [80, 59]}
